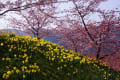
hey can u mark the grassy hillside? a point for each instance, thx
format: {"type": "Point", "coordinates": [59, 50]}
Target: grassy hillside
{"type": "Point", "coordinates": [26, 58]}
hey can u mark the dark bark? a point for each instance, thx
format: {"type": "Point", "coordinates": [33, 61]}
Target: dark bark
{"type": "Point", "coordinates": [98, 53]}
{"type": "Point", "coordinates": [76, 50]}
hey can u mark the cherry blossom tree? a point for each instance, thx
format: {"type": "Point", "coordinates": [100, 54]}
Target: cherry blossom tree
{"type": "Point", "coordinates": [35, 20]}
{"type": "Point", "coordinates": [96, 36]}
{"type": "Point", "coordinates": [36, 15]}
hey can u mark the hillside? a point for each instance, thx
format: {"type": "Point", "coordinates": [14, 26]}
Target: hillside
{"type": "Point", "coordinates": [50, 37]}
{"type": "Point", "coordinates": [26, 58]}
{"type": "Point", "coordinates": [17, 32]}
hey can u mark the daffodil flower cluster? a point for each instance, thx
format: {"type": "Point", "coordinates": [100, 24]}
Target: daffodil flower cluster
{"type": "Point", "coordinates": [23, 66]}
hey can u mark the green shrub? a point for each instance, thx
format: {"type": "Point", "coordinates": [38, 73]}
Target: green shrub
{"type": "Point", "coordinates": [23, 57]}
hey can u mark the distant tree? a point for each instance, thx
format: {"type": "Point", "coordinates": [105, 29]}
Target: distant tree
{"type": "Point", "coordinates": [68, 39]}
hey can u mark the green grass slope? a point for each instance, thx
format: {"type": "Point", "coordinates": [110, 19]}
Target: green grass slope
{"type": "Point", "coordinates": [26, 58]}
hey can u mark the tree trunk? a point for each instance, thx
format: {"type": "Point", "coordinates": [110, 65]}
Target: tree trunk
{"type": "Point", "coordinates": [98, 53]}
{"type": "Point", "coordinates": [37, 36]}
{"type": "Point", "coordinates": [75, 50]}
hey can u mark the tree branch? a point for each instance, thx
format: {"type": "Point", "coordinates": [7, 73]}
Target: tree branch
{"type": "Point", "coordinates": [30, 5]}
{"type": "Point", "coordinates": [85, 26]}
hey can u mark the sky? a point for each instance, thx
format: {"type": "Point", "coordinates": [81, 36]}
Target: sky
{"type": "Point", "coordinates": [108, 5]}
